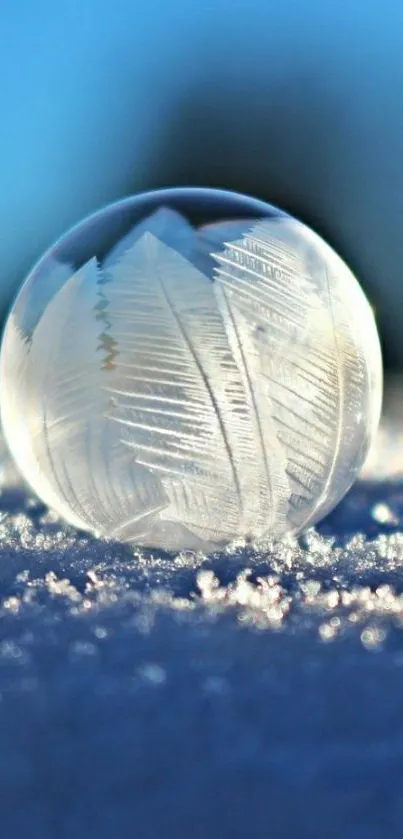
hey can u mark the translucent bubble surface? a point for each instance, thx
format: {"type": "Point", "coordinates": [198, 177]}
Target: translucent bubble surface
{"type": "Point", "coordinates": [189, 367]}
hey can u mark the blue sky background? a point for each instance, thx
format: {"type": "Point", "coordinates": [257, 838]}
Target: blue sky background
{"type": "Point", "coordinates": [296, 101]}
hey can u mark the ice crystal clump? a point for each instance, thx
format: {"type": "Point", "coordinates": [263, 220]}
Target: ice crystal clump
{"type": "Point", "coordinates": [182, 385]}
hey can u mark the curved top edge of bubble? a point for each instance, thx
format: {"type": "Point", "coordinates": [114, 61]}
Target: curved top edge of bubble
{"type": "Point", "coordinates": [173, 228]}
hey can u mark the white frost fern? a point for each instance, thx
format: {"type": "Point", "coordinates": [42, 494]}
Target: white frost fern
{"type": "Point", "coordinates": [179, 395]}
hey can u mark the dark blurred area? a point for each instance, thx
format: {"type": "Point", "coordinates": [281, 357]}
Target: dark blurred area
{"type": "Point", "coordinates": [297, 103]}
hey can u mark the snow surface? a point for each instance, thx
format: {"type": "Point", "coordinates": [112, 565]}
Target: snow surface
{"type": "Point", "coordinates": [255, 693]}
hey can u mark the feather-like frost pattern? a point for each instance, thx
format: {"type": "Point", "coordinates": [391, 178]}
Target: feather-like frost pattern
{"type": "Point", "coordinates": [82, 471]}
{"type": "Point", "coordinates": [178, 394]}
{"type": "Point", "coordinates": [276, 281]}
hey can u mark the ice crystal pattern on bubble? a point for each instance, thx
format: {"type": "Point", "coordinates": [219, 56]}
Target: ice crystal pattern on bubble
{"type": "Point", "coordinates": [183, 398]}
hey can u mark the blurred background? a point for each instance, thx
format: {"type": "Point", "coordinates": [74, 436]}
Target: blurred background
{"type": "Point", "coordinates": [298, 102]}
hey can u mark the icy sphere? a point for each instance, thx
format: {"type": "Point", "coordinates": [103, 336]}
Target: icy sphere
{"type": "Point", "coordinates": [188, 367]}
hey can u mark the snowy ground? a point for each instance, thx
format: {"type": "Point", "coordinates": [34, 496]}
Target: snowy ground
{"type": "Point", "coordinates": [240, 696]}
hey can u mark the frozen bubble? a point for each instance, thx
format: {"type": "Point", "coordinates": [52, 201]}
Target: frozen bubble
{"type": "Point", "coordinates": [189, 368]}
